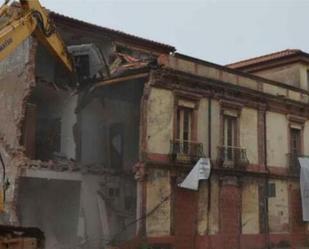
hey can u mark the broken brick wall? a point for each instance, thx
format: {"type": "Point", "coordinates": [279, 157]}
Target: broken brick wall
{"type": "Point", "coordinates": [97, 128]}
{"type": "Point", "coordinates": [17, 80]}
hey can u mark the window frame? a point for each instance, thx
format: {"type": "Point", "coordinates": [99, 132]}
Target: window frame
{"type": "Point", "coordinates": [229, 131]}
{"type": "Point", "coordinates": [185, 101]}
{"type": "Point", "coordinates": [297, 148]}
{"type": "Point", "coordinates": [182, 112]}
{"type": "Point", "coordinates": [232, 110]}
{"type": "Point", "coordinates": [296, 123]}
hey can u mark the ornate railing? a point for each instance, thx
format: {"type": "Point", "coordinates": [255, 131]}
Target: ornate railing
{"type": "Point", "coordinates": [232, 157]}
{"type": "Point", "coordinates": [293, 163]}
{"type": "Point", "coordinates": [186, 151]}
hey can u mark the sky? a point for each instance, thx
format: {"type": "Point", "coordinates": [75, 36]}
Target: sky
{"type": "Point", "coordinates": [219, 31]}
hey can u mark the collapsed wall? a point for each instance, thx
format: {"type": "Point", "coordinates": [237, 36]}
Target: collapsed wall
{"type": "Point", "coordinates": [69, 155]}
{"type": "Point", "coordinates": [17, 79]}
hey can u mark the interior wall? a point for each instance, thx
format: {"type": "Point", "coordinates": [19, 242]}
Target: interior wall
{"type": "Point", "coordinates": [109, 145]}
{"type": "Point", "coordinates": [48, 127]}
{"type": "Point", "coordinates": [99, 130]}
{"type": "Point", "coordinates": [109, 126]}
{"type": "Point", "coordinates": [51, 205]}
{"type": "Point", "coordinates": [54, 122]}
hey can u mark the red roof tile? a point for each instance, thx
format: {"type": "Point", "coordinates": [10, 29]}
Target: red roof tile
{"type": "Point", "coordinates": [61, 17]}
{"type": "Point", "coordinates": [266, 58]}
{"type": "Point", "coordinates": [56, 16]}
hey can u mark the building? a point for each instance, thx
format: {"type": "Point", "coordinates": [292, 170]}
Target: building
{"type": "Point", "coordinates": [99, 165]}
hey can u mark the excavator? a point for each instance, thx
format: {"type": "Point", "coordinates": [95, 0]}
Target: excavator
{"type": "Point", "coordinates": [30, 19]}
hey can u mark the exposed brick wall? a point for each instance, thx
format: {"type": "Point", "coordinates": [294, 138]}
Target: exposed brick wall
{"type": "Point", "coordinates": [185, 214]}
{"type": "Point", "coordinates": [256, 241]}
{"type": "Point", "coordinates": [17, 77]}
{"type": "Point", "coordinates": [297, 224]}
{"type": "Point", "coordinates": [230, 201]}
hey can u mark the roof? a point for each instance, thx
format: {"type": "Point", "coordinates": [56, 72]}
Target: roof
{"type": "Point", "coordinates": [239, 72]}
{"type": "Point", "coordinates": [57, 17]}
{"type": "Point", "coordinates": [112, 32]}
{"type": "Point", "coordinates": [267, 58]}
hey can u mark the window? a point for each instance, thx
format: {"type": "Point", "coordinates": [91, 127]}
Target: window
{"type": "Point", "coordinates": [230, 154]}
{"type": "Point", "coordinates": [229, 136]}
{"type": "Point", "coordinates": [271, 191]}
{"type": "Point", "coordinates": [295, 141]}
{"type": "Point", "coordinates": [295, 148]}
{"type": "Point", "coordinates": [184, 125]}
{"type": "Point", "coordinates": [184, 147]}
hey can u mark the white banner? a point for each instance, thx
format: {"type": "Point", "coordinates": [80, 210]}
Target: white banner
{"type": "Point", "coordinates": [200, 171]}
{"type": "Point", "coordinates": [304, 186]}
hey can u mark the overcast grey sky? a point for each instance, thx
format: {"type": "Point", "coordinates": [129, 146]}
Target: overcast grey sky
{"type": "Point", "coordinates": [220, 31]}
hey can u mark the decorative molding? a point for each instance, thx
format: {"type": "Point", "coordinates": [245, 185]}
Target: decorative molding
{"type": "Point", "coordinates": [187, 95]}
{"type": "Point", "coordinates": [205, 87]}
{"type": "Point", "coordinates": [229, 104]}
{"type": "Point", "coordinates": [296, 119]}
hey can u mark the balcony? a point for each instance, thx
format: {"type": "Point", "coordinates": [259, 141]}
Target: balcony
{"type": "Point", "coordinates": [186, 151]}
{"type": "Point", "coordinates": [293, 163]}
{"type": "Point", "coordinates": [232, 157]}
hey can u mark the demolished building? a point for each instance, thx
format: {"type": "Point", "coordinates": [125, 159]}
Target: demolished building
{"type": "Point", "coordinates": [98, 165]}
{"type": "Point", "coordinates": [69, 153]}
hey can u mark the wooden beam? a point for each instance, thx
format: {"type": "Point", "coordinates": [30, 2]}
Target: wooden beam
{"type": "Point", "coordinates": [120, 79]}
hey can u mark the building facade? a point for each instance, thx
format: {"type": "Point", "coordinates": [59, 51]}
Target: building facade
{"type": "Point", "coordinates": [99, 165]}
{"type": "Point", "coordinates": [253, 130]}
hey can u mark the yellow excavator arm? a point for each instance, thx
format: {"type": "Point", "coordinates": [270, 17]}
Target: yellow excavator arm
{"type": "Point", "coordinates": [32, 19]}
{"type": "Point", "coordinates": [18, 24]}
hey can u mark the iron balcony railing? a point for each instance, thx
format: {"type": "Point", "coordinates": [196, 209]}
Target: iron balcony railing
{"type": "Point", "coordinates": [232, 157]}
{"type": "Point", "coordinates": [293, 163]}
{"type": "Point", "coordinates": [185, 151]}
